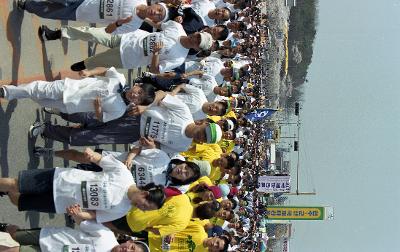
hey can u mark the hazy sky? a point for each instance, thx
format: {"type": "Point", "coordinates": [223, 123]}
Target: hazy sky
{"type": "Point", "coordinates": [350, 138]}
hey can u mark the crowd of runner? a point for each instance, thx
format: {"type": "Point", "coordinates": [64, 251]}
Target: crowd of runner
{"type": "Point", "coordinates": [187, 181]}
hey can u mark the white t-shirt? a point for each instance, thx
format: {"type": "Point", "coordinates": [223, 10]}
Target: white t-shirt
{"type": "Point", "coordinates": [109, 11]}
{"type": "Point", "coordinates": [206, 83]}
{"type": "Point", "coordinates": [202, 7]}
{"type": "Point", "coordinates": [222, 4]}
{"type": "Point", "coordinates": [194, 98]}
{"type": "Point", "coordinates": [95, 237]}
{"type": "Point", "coordinates": [212, 97]}
{"type": "Point", "coordinates": [166, 124]}
{"type": "Point", "coordinates": [137, 47]}
{"type": "Point", "coordinates": [79, 95]}
{"type": "Point", "coordinates": [209, 65]}
{"type": "Point", "coordinates": [109, 188]}
{"type": "Point", "coordinates": [150, 166]}
{"type": "Point", "coordinates": [219, 78]}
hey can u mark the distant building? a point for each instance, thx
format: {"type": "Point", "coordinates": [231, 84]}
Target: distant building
{"type": "Point", "coordinates": [281, 165]}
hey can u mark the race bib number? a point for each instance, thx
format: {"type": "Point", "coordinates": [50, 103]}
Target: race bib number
{"type": "Point", "coordinates": [78, 248]}
{"type": "Point", "coordinates": [149, 42]}
{"type": "Point", "coordinates": [95, 195]}
{"type": "Point", "coordinates": [143, 174]}
{"type": "Point", "coordinates": [110, 9]}
{"type": "Point", "coordinates": [156, 129]}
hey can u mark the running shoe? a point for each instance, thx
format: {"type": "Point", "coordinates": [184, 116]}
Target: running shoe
{"type": "Point", "coordinates": [52, 111]}
{"type": "Point", "coordinates": [42, 152]}
{"type": "Point", "coordinates": [2, 93]}
{"type": "Point", "coordinates": [36, 129]}
{"type": "Point", "coordinates": [45, 33]}
{"type": "Point", "coordinates": [78, 66]}
{"type": "Point", "coordinates": [3, 227]}
{"type": "Point", "coordinates": [21, 5]}
{"type": "Point", "coordinates": [147, 74]}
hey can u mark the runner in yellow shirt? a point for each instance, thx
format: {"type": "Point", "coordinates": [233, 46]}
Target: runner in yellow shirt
{"type": "Point", "coordinates": [206, 152]}
{"type": "Point", "coordinates": [173, 217]}
{"type": "Point", "coordinates": [220, 167]}
{"type": "Point", "coordinates": [190, 239]}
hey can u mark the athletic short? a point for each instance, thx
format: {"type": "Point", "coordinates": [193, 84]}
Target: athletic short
{"type": "Point", "coordinates": [36, 188]}
{"type": "Point", "coordinates": [122, 224]}
{"type": "Point", "coordinates": [28, 240]}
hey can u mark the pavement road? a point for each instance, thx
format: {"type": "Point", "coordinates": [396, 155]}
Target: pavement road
{"type": "Point", "coordinates": [24, 58]}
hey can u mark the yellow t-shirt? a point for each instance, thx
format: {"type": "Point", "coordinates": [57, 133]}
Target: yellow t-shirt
{"type": "Point", "coordinates": [227, 146]}
{"type": "Point", "coordinates": [171, 218]}
{"type": "Point", "coordinates": [193, 195]}
{"type": "Point", "coordinates": [217, 221]}
{"type": "Point", "coordinates": [217, 118]}
{"type": "Point", "coordinates": [203, 179]}
{"type": "Point", "coordinates": [215, 174]}
{"type": "Point", "coordinates": [189, 240]}
{"type": "Point", "coordinates": [206, 152]}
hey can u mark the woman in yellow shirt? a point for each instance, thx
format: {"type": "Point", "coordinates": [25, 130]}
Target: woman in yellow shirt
{"type": "Point", "coordinates": [205, 152]}
{"type": "Point", "coordinates": [189, 239]}
{"type": "Point", "coordinates": [171, 218]}
{"type": "Point", "coordinates": [192, 239]}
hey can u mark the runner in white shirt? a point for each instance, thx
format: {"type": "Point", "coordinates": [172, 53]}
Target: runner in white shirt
{"type": "Point", "coordinates": [105, 93]}
{"type": "Point", "coordinates": [208, 65]}
{"type": "Point", "coordinates": [207, 10]}
{"type": "Point", "coordinates": [122, 15]}
{"type": "Point", "coordinates": [202, 8]}
{"type": "Point", "coordinates": [169, 125]}
{"type": "Point", "coordinates": [197, 102]}
{"type": "Point", "coordinates": [90, 237]}
{"type": "Point", "coordinates": [192, 96]}
{"type": "Point", "coordinates": [206, 83]}
{"type": "Point", "coordinates": [106, 195]}
{"type": "Point", "coordinates": [199, 73]}
{"type": "Point", "coordinates": [222, 93]}
{"type": "Point", "coordinates": [162, 51]}
{"type": "Point", "coordinates": [146, 165]}
{"type": "Point", "coordinates": [137, 47]}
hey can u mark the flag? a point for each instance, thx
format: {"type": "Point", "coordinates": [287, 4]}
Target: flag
{"type": "Point", "coordinates": [269, 134]}
{"type": "Point", "coordinates": [259, 114]}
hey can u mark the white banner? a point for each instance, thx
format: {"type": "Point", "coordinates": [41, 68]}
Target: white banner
{"type": "Point", "coordinates": [273, 184]}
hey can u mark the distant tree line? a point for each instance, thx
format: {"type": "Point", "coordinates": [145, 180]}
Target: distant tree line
{"type": "Point", "coordinates": [302, 30]}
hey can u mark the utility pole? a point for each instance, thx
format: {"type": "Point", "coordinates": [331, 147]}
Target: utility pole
{"type": "Point", "coordinates": [301, 193]}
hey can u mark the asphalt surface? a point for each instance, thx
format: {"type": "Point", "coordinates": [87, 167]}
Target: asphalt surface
{"type": "Point", "coordinates": [24, 58]}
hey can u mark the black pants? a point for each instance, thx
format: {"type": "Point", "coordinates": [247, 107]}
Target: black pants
{"type": "Point", "coordinates": [123, 130]}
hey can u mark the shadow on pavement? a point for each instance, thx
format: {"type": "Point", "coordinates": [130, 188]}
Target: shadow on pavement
{"type": "Point", "coordinates": [33, 217]}
{"type": "Point", "coordinates": [14, 24]}
{"type": "Point", "coordinates": [48, 73]}
{"type": "Point", "coordinates": [5, 116]}
{"type": "Point", "coordinates": [64, 42]}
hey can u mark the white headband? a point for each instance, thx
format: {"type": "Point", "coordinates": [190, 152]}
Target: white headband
{"type": "Point", "coordinates": [140, 242]}
{"type": "Point", "coordinates": [230, 124]}
{"type": "Point", "coordinates": [165, 10]}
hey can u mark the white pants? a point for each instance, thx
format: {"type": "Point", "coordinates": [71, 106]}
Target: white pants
{"type": "Point", "coordinates": [47, 94]}
{"type": "Point", "coordinates": [108, 58]}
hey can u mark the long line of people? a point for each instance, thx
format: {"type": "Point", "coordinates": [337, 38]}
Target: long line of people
{"type": "Point", "coordinates": [183, 184]}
